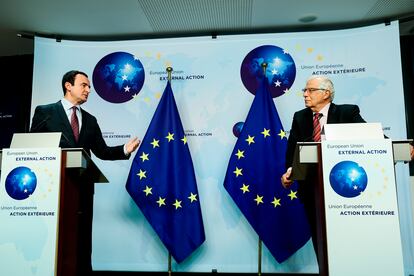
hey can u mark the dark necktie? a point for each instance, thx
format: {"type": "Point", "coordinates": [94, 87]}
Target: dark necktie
{"type": "Point", "coordinates": [74, 122]}
{"type": "Point", "coordinates": [316, 127]}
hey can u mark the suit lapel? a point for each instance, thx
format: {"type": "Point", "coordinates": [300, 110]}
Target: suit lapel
{"type": "Point", "coordinates": [308, 125]}
{"type": "Point", "coordinates": [84, 127]}
{"type": "Point", "coordinates": [67, 129]}
{"type": "Point", "coordinates": [332, 114]}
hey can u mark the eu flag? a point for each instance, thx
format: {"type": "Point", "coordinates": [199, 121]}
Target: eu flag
{"type": "Point", "coordinates": [162, 182]}
{"type": "Point", "coordinates": [253, 180]}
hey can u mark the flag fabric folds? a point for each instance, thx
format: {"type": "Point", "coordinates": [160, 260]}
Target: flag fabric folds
{"type": "Point", "coordinates": [253, 180]}
{"type": "Point", "coordinates": [162, 182]}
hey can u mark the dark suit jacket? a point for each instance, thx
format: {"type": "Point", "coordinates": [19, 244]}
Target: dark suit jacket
{"type": "Point", "coordinates": [302, 125]}
{"type": "Point", "coordinates": [52, 118]}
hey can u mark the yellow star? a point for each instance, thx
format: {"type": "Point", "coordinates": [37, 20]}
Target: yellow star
{"type": "Point", "coordinates": [144, 156]}
{"type": "Point", "coordinates": [147, 190]}
{"type": "Point", "coordinates": [250, 139]}
{"type": "Point", "coordinates": [160, 201]}
{"type": "Point", "coordinates": [292, 195]}
{"type": "Point", "coordinates": [238, 172]}
{"type": "Point", "coordinates": [155, 143]}
{"type": "Point", "coordinates": [177, 204]}
{"type": "Point", "coordinates": [141, 174]}
{"type": "Point", "coordinates": [157, 95]}
{"type": "Point", "coordinates": [184, 139]}
{"type": "Point", "coordinates": [319, 57]}
{"type": "Point", "coordinates": [258, 199]}
{"type": "Point", "coordinates": [170, 136]}
{"type": "Point", "coordinates": [245, 188]}
{"type": "Point", "coordinates": [265, 132]}
{"type": "Point", "coordinates": [282, 134]}
{"type": "Point", "coordinates": [310, 50]}
{"type": "Point", "coordinates": [276, 202]}
{"type": "Point", "coordinates": [240, 154]}
{"type": "Point", "coordinates": [192, 197]}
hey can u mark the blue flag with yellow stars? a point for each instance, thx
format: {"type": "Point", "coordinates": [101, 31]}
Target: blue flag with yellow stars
{"type": "Point", "coordinates": [162, 182]}
{"type": "Point", "coordinates": [253, 180]}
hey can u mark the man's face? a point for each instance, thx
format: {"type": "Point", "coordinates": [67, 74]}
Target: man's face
{"type": "Point", "coordinates": [315, 98]}
{"type": "Point", "coordinates": [78, 92]}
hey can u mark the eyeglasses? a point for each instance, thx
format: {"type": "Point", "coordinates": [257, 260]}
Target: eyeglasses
{"type": "Point", "coordinates": [311, 90]}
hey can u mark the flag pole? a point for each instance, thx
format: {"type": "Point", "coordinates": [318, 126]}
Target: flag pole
{"type": "Point", "coordinates": [259, 247]}
{"type": "Point", "coordinates": [169, 71]}
{"type": "Point", "coordinates": [169, 264]}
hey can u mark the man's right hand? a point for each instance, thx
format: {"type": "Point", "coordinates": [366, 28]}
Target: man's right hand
{"type": "Point", "coordinates": [286, 181]}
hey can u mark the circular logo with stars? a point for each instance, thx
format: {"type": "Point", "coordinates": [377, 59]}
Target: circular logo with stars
{"type": "Point", "coordinates": [118, 77]}
{"type": "Point", "coordinates": [21, 183]}
{"type": "Point", "coordinates": [348, 179]}
{"type": "Point", "coordinates": [280, 70]}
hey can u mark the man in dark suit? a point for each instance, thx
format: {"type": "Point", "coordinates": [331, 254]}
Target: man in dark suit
{"type": "Point", "coordinates": [318, 95]}
{"type": "Point", "coordinates": [79, 130]}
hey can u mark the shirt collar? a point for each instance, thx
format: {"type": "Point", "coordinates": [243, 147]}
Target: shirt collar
{"type": "Point", "coordinates": [67, 104]}
{"type": "Point", "coordinates": [324, 110]}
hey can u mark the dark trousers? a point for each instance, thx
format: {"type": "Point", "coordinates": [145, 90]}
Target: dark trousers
{"type": "Point", "coordinates": [85, 216]}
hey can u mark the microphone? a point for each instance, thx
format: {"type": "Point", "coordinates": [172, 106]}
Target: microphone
{"type": "Point", "coordinates": [40, 124]}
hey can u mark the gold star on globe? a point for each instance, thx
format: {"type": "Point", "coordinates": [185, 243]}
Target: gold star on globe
{"type": "Point", "coordinates": [147, 190]}
{"type": "Point", "coordinates": [276, 202]}
{"type": "Point", "coordinates": [265, 132]}
{"type": "Point", "coordinates": [192, 197]}
{"type": "Point", "coordinates": [240, 154]}
{"type": "Point", "coordinates": [250, 139]}
{"type": "Point", "coordinates": [170, 136]}
{"type": "Point", "coordinates": [258, 199]}
{"type": "Point", "coordinates": [155, 143]}
{"type": "Point", "coordinates": [292, 195]}
{"type": "Point", "coordinates": [177, 204]}
{"type": "Point", "coordinates": [160, 201]}
{"type": "Point", "coordinates": [245, 188]}
{"type": "Point", "coordinates": [238, 172]}
{"type": "Point", "coordinates": [144, 156]}
{"type": "Point", "coordinates": [141, 174]}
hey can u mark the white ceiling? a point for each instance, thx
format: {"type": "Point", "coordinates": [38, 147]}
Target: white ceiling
{"type": "Point", "coordinates": [130, 19]}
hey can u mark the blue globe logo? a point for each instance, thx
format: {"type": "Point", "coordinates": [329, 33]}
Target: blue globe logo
{"type": "Point", "coordinates": [237, 128]}
{"type": "Point", "coordinates": [21, 183]}
{"type": "Point", "coordinates": [280, 70]}
{"type": "Point", "coordinates": [348, 179]}
{"type": "Point", "coordinates": [118, 77]}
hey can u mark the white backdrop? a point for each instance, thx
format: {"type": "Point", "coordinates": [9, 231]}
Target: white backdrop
{"type": "Point", "coordinates": [211, 98]}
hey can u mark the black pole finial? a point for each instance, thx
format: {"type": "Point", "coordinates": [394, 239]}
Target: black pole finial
{"type": "Point", "coordinates": [264, 66]}
{"type": "Point", "coordinates": [169, 71]}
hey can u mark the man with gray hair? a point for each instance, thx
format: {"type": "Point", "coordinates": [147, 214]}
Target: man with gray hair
{"type": "Point", "coordinates": [306, 127]}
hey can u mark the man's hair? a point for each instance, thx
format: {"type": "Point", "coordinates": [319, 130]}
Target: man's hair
{"type": "Point", "coordinates": [324, 83]}
{"type": "Point", "coordinates": [70, 77]}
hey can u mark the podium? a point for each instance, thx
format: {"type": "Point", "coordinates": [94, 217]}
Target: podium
{"type": "Point", "coordinates": [76, 169]}
{"type": "Point", "coordinates": [309, 161]}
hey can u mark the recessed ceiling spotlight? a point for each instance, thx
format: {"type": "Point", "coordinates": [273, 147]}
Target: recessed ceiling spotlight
{"type": "Point", "coordinates": [308, 18]}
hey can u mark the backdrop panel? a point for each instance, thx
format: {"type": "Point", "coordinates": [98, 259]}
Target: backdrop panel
{"type": "Point", "coordinates": [364, 64]}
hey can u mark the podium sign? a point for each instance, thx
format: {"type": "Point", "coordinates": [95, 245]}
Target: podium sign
{"type": "Point", "coordinates": [362, 225]}
{"type": "Point", "coordinates": [29, 198]}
